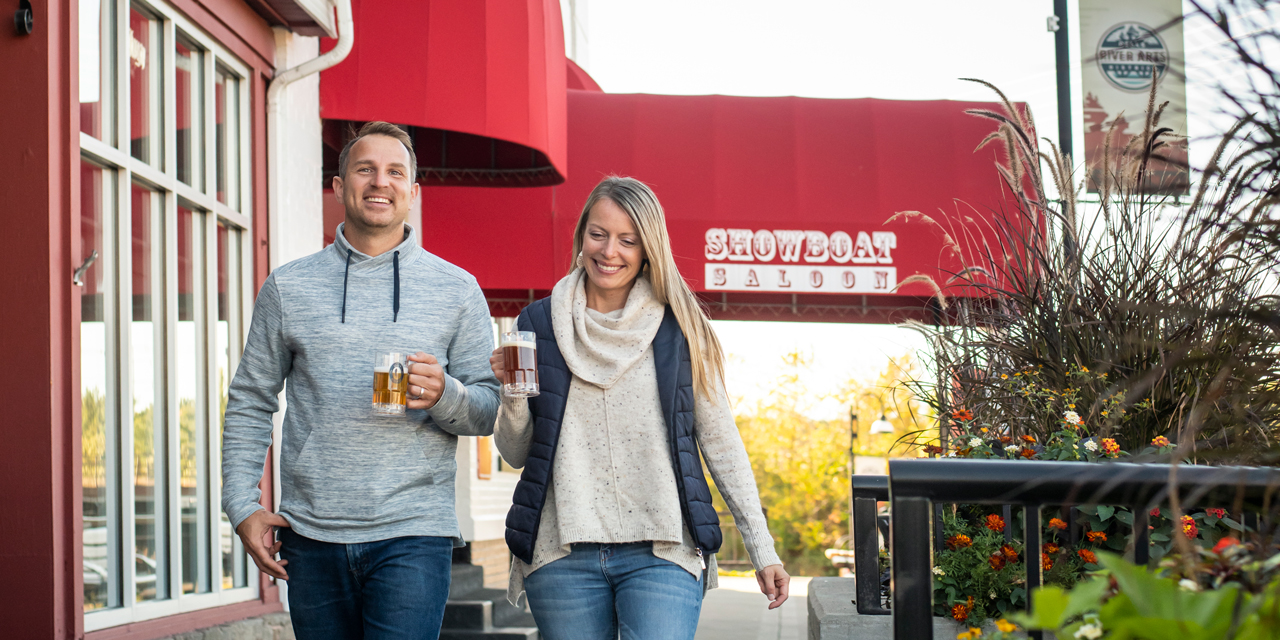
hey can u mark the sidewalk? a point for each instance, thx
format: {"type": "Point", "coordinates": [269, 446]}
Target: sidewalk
{"type": "Point", "coordinates": [738, 611]}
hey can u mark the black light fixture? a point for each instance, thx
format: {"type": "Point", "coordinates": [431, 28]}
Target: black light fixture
{"type": "Point", "coordinates": [24, 21]}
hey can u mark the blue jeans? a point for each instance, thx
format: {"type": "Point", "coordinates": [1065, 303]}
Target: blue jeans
{"type": "Point", "coordinates": [602, 590]}
{"type": "Point", "coordinates": [389, 589]}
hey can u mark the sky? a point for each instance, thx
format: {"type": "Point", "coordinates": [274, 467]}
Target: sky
{"type": "Point", "coordinates": [844, 49]}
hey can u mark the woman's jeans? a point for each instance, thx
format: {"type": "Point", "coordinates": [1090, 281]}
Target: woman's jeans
{"type": "Point", "coordinates": [602, 590]}
{"type": "Point", "coordinates": [386, 590]}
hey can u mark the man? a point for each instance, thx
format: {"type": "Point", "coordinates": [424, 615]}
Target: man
{"type": "Point", "coordinates": [366, 519]}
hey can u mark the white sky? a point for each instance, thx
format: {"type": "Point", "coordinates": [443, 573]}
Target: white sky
{"type": "Point", "coordinates": [843, 49]}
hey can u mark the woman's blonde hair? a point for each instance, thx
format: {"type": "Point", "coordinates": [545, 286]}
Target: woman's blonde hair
{"type": "Point", "coordinates": [641, 205]}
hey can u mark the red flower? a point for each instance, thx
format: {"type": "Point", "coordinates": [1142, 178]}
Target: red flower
{"type": "Point", "coordinates": [958, 541]}
{"type": "Point", "coordinates": [960, 612]}
{"type": "Point", "coordinates": [996, 561]}
{"type": "Point", "coordinates": [1160, 441]}
{"type": "Point", "coordinates": [1155, 513]}
{"type": "Point", "coordinates": [1096, 536]}
{"type": "Point", "coordinates": [1225, 544]}
{"type": "Point", "coordinates": [1057, 523]}
{"type": "Point", "coordinates": [1110, 447]}
{"type": "Point", "coordinates": [1046, 563]}
{"type": "Point", "coordinates": [1087, 556]}
{"type": "Point", "coordinates": [1052, 548]}
{"type": "Point", "coordinates": [1009, 552]}
{"type": "Point", "coordinates": [1189, 528]}
{"type": "Point", "coordinates": [1217, 513]}
{"type": "Point", "coordinates": [933, 449]}
{"type": "Point", "coordinates": [1027, 453]}
{"type": "Point", "coordinates": [995, 522]}
{"type": "Point", "coordinates": [961, 415]}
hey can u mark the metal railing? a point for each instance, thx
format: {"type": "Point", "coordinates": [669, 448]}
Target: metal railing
{"type": "Point", "coordinates": [867, 491]}
{"type": "Point", "coordinates": [917, 486]}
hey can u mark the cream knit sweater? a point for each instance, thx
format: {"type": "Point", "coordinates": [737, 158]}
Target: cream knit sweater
{"type": "Point", "coordinates": [613, 481]}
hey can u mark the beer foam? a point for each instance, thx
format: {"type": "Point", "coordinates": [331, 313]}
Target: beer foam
{"type": "Point", "coordinates": [387, 370]}
{"type": "Point", "coordinates": [519, 343]}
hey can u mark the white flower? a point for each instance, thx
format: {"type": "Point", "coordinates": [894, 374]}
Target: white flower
{"type": "Point", "coordinates": [1091, 631]}
{"type": "Point", "coordinates": [937, 571]}
{"type": "Point", "coordinates": [1091, 445]}
{"type": "Point", "coordinates": [1188, 584]}
{"type": "Point", "coordinates": [951, 455]}
{"type": "Point", "coordinates": [992, 595]}
{"type": "Point", "coordinates": [975, 442]}
{"type": "Point", "coordinates": [1013, 448]}
{"type": "Point", "coordinates": [1072, 417]}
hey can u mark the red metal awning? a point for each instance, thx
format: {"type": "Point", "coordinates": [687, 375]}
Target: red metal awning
{"type": "Point", "coordinates": [776, 207]}
{"type": "Point", "coordinates": [481, 83]}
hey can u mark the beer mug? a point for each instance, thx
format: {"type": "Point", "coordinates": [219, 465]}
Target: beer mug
{"type": "Point", "coordinates": [520, 360]}
{"type": "Point", "coordinates": [390, 383]}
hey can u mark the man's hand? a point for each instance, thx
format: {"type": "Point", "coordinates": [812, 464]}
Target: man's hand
{"type": "Point", "coordinates": [775, 583]}
{"type": "Point", "coordinates": [426, 381]}
{"type": "Point", "coordinates": [257, 532]}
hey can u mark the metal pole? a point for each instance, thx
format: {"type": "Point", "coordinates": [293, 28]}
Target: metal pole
{"type": "Point", "coordinates": [1031, 556]}
{"type": "Point", "coordinates": [1062, 42]}
{"type": "Point", "coordinates": [912, 564]}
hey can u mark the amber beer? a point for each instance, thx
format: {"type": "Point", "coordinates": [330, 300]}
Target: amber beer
{"type": "Point", "coordinates": [390, 383]}
{"type": "Point", "coordinates": [520, 361]}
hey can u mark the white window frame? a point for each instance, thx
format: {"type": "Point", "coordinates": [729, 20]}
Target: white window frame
{"type": "Point", "coordinates": [161, 175]}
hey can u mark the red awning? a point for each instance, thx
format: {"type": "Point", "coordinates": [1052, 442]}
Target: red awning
{"type": "Point", "coordinates": [772, 203]}
{"type": "Point", "coordinates": [577, 78]}
{"type": "Point", "coordinates": [482, 83]}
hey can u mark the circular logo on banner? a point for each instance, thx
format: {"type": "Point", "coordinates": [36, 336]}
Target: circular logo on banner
{"type": "Point", "coordinates": [397, 373]}
{"type": "Point", "coordinates": [1129, 54]}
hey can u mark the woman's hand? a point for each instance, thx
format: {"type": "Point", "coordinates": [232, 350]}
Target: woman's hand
{"type": "Point", "coordinates": [497, 363]}
{"type": "Point", "coordinates": [775, 583]}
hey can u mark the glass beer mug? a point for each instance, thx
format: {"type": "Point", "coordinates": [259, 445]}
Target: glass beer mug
{"type": "Point", "coordinates": [520, 359]}
{"type": "Point", "coordinates": [390, 383]}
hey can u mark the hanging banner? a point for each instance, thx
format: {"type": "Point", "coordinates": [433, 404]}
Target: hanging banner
{"type": "Point", "coordinates": [1124, 46]}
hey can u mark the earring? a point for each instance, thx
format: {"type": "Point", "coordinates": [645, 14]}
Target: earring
{"type": "Point", "coordinates": [579, 260]}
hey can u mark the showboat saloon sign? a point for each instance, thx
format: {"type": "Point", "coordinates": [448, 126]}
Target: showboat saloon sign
{"type": "Point", "coordinates": [795, 261]}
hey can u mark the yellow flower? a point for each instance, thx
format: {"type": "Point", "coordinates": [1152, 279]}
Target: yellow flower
{"type": "Point", "coordinates": [1085, 370]}
{"type": "Point", "coordinates": [984, 429]}
{"type": "Point", "coordinates": [1004, 376]}
{"type": "Point", "coordinates": [972, 634]}
{"type": "Point", "coordinates": [1105, 412]}
{"type": "Point", "coordinates": [1071, 406]}
{"type": "Point", "coordinates": [1005, 625]}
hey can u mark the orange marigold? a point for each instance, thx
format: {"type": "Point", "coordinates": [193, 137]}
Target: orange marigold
{"type": "Point", "coordinates": [1110, 447]}
{"type": "Point", "coordinates": [996, 561]}
{"type": "Point", "coordinates": [995, 522]}
{"type": "Point", "coordinates": [1160, 441]}
{"type": "Point", "coordinates": [1005, 440]}
{"type": "Point", "coordinates": [1046, 562]}
{"type": "Point", "coordinates": [1189, 528]}
{"type": "Point", "coordinates": [1029, 439]}
{"type": "Point", "coordinates": [1009, 553]}
{"type": "Point", "coordinates": [932, 449]}
{"type": "Point", "coordinates": [961, 415]}
{"type": "Point", "coordinates": [1096, 536]}
{"type": "Point", "coordinates": [1027, 453]}
{"type": "Point", "coordinates": [960, 612]}
{"type": "Point", "coordinates": [1087, 556]}
{"type": "Point", "coordinates": [958, 541]}
{"type": "Point", "coordinates": [1052, 548]}
{"type": "Point", "coordinates": [1057, 523]}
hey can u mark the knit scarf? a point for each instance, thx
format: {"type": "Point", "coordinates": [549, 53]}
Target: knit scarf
{"type": "Point", "coordinates": [600, 347]}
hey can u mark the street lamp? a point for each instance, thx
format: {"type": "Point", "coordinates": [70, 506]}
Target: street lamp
{"type": "Point", "coordinates": [879, 426]}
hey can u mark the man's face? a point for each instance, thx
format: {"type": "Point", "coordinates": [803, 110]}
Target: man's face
{"type": "Point", "coordinates": [377, 189]}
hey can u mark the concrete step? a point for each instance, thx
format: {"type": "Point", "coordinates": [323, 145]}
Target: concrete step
{"type": "Point", "coordinates": [498, 633]}
{"type": "Point", "coordinates": [465, 579]}
{"type": "Point", "coordinates": [483, 609]}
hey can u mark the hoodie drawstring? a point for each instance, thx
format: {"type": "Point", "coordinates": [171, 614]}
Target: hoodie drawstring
{"type": "Point", "coordinates": [344, 287]}
{"type": "Point", "coordinates": [395, 304]}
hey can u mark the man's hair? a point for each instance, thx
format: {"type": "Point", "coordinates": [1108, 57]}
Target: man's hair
{"type": "Point", "coordinates": [379, 128]}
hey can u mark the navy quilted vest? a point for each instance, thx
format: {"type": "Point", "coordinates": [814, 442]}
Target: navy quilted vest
{"type": "Point", "coordinates": [675, 391]}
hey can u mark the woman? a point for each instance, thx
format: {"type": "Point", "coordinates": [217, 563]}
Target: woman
{"type": "Point", "coordinates": [612, 526]}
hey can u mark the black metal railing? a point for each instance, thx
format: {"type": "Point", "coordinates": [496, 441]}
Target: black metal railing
{"type": "Point", "coordinates": [917, 486]}
{"type": "Point", "coordinates": [867, 491]}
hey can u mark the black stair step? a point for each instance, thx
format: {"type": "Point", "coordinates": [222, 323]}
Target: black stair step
{"type": "Point", "coordinates": [468, 614]}
{"type": "Point", "coordinates": [464, 579]}
{"type": "Point", "coordinates": [497, 633]}
{"type": "Point", "coordinates": [504, 614]}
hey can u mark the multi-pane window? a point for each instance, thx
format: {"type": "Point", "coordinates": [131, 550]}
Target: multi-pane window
{"type": "Point", "coordinates": [164, 282]}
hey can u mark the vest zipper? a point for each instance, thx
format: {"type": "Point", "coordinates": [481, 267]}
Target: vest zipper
{"type": "Point", "coordinates": [702, 561]}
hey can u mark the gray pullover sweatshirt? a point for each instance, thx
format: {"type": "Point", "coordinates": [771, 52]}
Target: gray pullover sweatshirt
{"type": "Point", "coordinates": [348, 475]}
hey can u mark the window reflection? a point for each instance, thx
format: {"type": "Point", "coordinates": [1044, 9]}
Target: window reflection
{"type": "Point", "coordinates": [227, 120]}
{"type": "Point", "coordinates": [189, 360]}
{"type": "Point", "coordinates": [97, 67]}
{"type": "Point", "coordinates": [226, 356]}
{"type": "Point", "coordinates": [148, 430]}
{"type": "Point", "coordinates": [145, 90]}
{"type": "Point", "coordinates": [188, 73]}
{"type": "Point", "coordinates": [97, 432]}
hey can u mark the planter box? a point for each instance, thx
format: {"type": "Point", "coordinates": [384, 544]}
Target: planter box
{"type": "Point", "coordinates": [833, 616]}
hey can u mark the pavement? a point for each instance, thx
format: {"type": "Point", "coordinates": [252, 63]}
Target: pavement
{"type": "Point", "coordinates": [738, 611]}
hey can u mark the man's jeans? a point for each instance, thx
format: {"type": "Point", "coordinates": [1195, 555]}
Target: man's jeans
{"type": "Point", "coordinates": [601, 590]}
{"type": "Point", "coordinates": [389, 589]}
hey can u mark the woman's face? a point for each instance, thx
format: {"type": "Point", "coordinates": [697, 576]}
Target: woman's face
{"type": "Point", "coordinates": [612, 254]}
